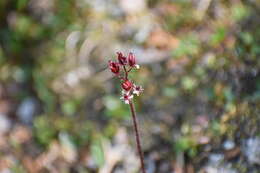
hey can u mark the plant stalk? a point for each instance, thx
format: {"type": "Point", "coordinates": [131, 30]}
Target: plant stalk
{"type": "Point", "coordinates": [137, 136]}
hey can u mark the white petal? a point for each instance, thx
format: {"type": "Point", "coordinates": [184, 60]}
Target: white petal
{"type": "Point", "coordinates": [136, 92]}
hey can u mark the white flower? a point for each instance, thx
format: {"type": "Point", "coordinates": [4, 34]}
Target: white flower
{"type": "Point", "coordinates": [137, 90]}
{"type": "Point", "coordinates": [126, 97]}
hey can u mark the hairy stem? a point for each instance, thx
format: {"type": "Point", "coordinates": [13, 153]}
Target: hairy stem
{"type": "Point", "coordinates": [137, 137]}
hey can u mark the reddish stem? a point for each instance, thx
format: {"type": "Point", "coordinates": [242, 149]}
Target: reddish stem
{"type": "Point", "coordinates": [137, 137]}
{"type": "Point", "coordinates": [126, 73]}
{"type": "Point", "coordinates": [130, 69]}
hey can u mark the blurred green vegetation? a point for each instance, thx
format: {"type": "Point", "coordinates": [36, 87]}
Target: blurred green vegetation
{"type": "Point", "coordinates": [212, 71]}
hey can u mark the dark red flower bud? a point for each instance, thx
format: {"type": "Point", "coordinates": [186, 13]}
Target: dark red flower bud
{"type": "Point", "coordinates": [127, 85]}
{"type": "Point", "coordinates": [131, 60]}
{"type": "Point", "coordinates": [121, 58]}
{"type": "Point", "coordinates": [114, 67]}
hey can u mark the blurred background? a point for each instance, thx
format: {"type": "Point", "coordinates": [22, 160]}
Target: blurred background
{"type": "Point", "coordinates": [60, 110]}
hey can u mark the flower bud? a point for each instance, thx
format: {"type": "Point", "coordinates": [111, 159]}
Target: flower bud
{"type": "Point", "coordinates": [131, 60]}
{"type": "Point", "coordinates": [114, 67]}
{"type": "Point", "coordinates": [127, 85]}
{"type": "Point", "coordinates": [121, 58]}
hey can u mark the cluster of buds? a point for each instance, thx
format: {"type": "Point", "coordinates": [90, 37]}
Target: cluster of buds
{"type": "Point", "coordinates": [121, 68]}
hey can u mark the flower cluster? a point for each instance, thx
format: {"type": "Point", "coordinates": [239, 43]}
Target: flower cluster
{"type": "Point", "coordinates": [121, 68]}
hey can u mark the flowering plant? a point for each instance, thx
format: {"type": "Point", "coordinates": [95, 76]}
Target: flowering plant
{"type": "Point", "coordinates": [121, 69]}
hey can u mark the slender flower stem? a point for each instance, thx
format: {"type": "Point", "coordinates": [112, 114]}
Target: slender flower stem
{"type": "Point", "coordinates": [137, 137]}
{"type": "Point", "coordinates": [126, 73]}
{"type": "Point", "coordinates": [129, 69]}
{"type": "Point", "coordinates": [129, 89]}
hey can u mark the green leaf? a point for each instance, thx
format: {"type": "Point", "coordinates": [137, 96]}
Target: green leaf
{"type": "Point", "coordinates": [21, 4]}
{"type": "Point", "coordinates": [239, 12]}
{"type": "Point", "coordinates": [44, 130]}
{"type": "Point", "coordinates": [98, 153]}
{"type": "Point", "coordinates": [218, 36]}
{"type": "Point", "coordinates": [170, 92]}
{"type": "Point", "coordinates": [69, 107]}
{"type": "Point", "coordinates": [189, 45]}
{"type": "Point", "coordinates": [183, 144]}
{"type": "Point", "coordinates": [189, 83]}
{"type": "Point", "coordinates": [247, 38]}
{"type": "Point", "coordinates": [115, 107]}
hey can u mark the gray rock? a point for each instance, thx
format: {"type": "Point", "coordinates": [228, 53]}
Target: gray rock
{"type": "Point", "coordinates": [228, 145]}
{"type": "Point", "coordinates": [220, 169]}
{"type": "Point", "coordinates": [216, 159]}
{"type": "Point", "coordinates": [251, 150]}
{"type": "Point", "coordinates": [5, 170]}
{"type": "Point", "coordinates": [5, 124]}
{"type": "Point", "coordinates": [27, 110]}
{"type": "Point", "coordinates": [216, 164]}
{"type": "Point", "coordinates": [150, 166]}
